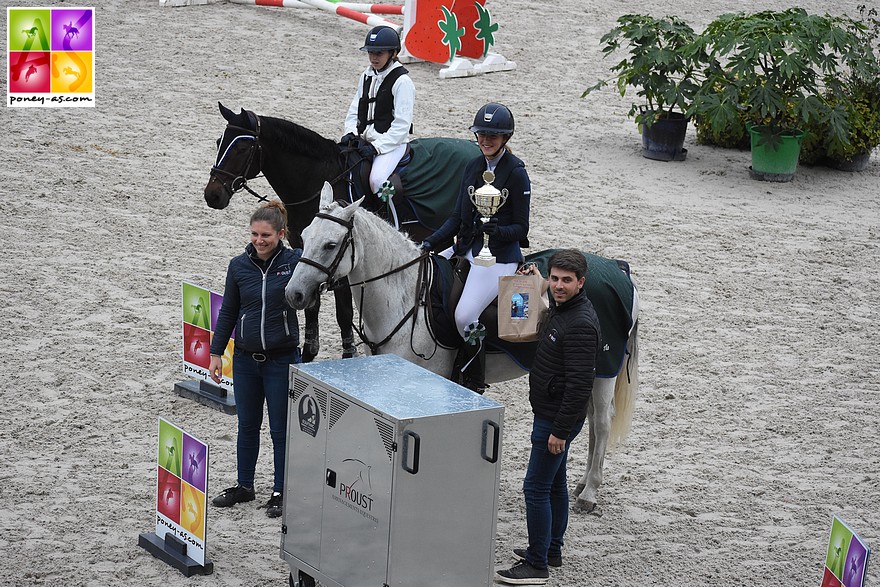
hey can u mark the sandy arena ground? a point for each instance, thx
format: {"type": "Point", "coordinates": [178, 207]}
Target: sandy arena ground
{"type": "Point", "coordinates": [758, 412]}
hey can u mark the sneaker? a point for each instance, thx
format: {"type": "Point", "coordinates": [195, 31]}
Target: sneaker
{"type": "Point", "coordinates": [234, 495]}
{"type": "Point", "coordinates": [273, 506]}
{"type": "Point", "coordinates": [552, 560]}
{"type": "Point", "coordinates": [523, 573]}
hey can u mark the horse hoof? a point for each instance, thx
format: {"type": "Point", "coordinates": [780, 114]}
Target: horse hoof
{"type": "Point", "coordinates": [310, 350]}
{"type": "Point", "coordinates": [583, 506]}
{"type": "Point", "coordinates": [349, 350]}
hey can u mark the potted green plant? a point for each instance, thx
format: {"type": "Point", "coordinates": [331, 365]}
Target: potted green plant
{"type": "Point", "coordinates": [863, 112]}
{"type": "Point", "coordinates": [660, 64]}
{"type": "Point", "coordinates": [860, 98]}
{"type": "Point", "coordinates": [773, 67]}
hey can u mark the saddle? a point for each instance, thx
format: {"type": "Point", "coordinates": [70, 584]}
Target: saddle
{"type": "Point", "coordinates": [426, 184]}
{"type": "Point", "coordinates": [397, 211]}
{"type": "Point", "coordinates": [444, 291]}
{"type": "Point", "coordinates": [608, 286]}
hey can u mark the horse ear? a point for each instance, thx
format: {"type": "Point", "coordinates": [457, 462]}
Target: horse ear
{"type": "Point", "coordinates": [326, 195]}
{"type": "Point", "coordinates": [356, 204]}
{"type": "Point", "coordinates": [226, 112]}
{"type": "Point", "coordinates": [347, 213]}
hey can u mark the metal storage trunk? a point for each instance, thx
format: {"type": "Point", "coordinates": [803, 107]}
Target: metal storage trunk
{"type": "Point", "coordinates": [391, 477]}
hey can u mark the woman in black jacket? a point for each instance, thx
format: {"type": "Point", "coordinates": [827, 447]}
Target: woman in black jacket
{"type": "Point", "coordinates": [266, 341]}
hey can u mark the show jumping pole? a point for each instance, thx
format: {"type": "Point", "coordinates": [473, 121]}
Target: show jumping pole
{"type": "Point", "coordinates": [368, 19]}
{"type": "Point", "coordinates": [373, 8]}
{"type": "Point", "coordinates": [352, 10]}
{"type": "Point", "coordinates": [423, 40]}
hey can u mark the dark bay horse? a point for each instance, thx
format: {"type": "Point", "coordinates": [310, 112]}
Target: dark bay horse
{"type": "Point", "coordinates": [297, 161]}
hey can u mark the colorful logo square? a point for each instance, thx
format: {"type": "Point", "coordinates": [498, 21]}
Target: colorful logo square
{"type": "Point", "coordinates": [181, 502]}
{"type": "Point", "coordinates": [201, 309]}
{"type": "Point", "coordinates": [72, 72]}
{"type": "Point", "coordinates": [29, 72]}
{"type": "Point", "coordinates": [50, 57]}
{"type": "Point", "coordinates": [28, 29]}
{"type": "Point", "coordinates": [72, 30]}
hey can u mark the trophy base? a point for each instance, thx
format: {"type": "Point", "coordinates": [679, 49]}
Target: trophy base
{"type": "Point", "coordinates": [484, 261]}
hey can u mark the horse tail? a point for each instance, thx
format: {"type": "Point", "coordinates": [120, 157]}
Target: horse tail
{"type": "Point", "coordinates": [626, 388]}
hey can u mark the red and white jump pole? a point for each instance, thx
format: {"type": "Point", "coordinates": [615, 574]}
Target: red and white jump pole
{"type": "Point", "coordinates": [372, 8]}
{"type": "Point", "coordinates": [353, 10]}
{"type": "Point", "coordinates": [368, 19]}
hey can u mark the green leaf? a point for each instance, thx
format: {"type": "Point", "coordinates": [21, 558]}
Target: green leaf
{"type": "Point", "coordinates": [486, 29]}
{"type": "Point", "coordinates": [452, 34]}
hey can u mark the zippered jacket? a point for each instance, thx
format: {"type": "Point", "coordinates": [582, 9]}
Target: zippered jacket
{"type": "Point", "coordinates": [561, 379]}
{"type": "Point", "coordinates": [512, 218]}
{"type": "Point", "coordinates": [254, 304]}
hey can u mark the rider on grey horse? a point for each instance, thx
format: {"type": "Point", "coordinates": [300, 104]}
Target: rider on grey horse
{"type": "Point", "coordinates": [507, 230]}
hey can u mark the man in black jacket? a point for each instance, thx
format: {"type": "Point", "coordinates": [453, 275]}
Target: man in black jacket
{"type": "Point", "coordinates": [560, 387]}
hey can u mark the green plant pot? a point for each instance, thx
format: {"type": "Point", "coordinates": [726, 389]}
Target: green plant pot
{"type": "Point", "coordinates": [779, 164]}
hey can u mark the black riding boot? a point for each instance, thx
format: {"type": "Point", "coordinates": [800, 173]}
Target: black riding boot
{"type": "Point", "coordinates": [473, 366]}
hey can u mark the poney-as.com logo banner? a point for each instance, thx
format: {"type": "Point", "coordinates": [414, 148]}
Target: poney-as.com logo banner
{"type": "Point", "coordinates": [51, 55]}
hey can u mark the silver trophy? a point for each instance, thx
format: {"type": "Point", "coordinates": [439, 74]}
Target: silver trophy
{"type": "Point", "coordinates": [487, 200]}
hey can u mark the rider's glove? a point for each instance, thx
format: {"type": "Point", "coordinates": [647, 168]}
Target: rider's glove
{"type": "Point", "coordinates": [368, 151]}
{"type": "Point", "coordinates": [489, 227]}
{"type": "Point", "coordinates": [426, 246]}
{"type": "Point", "coordinates": [347, 139]}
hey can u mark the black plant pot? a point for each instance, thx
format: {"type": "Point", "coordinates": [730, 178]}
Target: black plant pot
{"type": "Point", "coordinates": [858, 162]}
{"type": "Point", "coordinates": [664, 140]}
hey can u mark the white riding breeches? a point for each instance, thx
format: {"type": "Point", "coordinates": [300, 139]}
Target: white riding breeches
{"type": "Point", "coordinates": [383, 166]}
{"type": "Point", "coordinates": [480, 289]}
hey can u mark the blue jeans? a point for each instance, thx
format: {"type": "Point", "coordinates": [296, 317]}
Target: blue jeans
{"type": "Point", "coordinates": [546, 492]}
{"type": "Point", "coordinates": [255, 383]}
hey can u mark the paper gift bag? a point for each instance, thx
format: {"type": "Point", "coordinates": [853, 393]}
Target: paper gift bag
{"type": "Point", "coordinates": [522, 307]}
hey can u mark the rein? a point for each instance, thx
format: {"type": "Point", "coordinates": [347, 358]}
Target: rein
{"type": "Point", "coordinates": [421, 286]}
{"type": "Point", "coordinates": [421, 290]}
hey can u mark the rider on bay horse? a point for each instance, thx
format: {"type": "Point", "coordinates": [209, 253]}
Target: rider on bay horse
{"type": "Point", "coordinates": [381, 112]}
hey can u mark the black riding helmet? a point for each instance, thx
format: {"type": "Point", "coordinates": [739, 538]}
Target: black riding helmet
{"type": "Point", "coordinates": [494, 118]}
{"type": "Point", "coordinates": [382, 38]}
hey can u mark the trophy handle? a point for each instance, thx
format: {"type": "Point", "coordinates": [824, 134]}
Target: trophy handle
{"type": "Point", "coordinates": [503, 197]}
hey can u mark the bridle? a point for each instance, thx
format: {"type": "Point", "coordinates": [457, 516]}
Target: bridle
{"type": "Point", "coordinates": [330, 271]}
{"type": "Point", "coordinates": [235, 182]}
{"type": "Point", "coordinates": [421, 285]}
